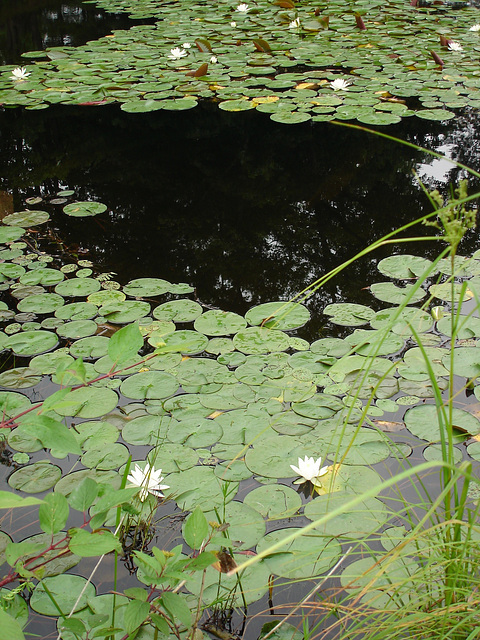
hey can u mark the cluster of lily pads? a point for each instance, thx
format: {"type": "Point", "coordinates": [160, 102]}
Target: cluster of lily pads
{"type": "Point", "coordinates": [215, 398]}
{"type": "Point", "coordinates": [369, 61]}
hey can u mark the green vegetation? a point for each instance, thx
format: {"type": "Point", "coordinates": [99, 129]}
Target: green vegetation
{"type": "Point", "coordinates": [216, 399]}
{"type": "Point", "coordinates": [366, 60]}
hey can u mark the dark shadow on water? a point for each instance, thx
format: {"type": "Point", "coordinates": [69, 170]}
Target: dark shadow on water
{"type": "Point", "coordinates": [243, 208]}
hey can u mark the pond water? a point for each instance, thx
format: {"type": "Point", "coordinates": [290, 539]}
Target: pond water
{"type": "Point", "coordinates": [245, 210]}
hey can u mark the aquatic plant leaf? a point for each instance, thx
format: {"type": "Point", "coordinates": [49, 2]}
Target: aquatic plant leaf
{"type": "Point", "coordinates": [278, 315]}
{"type": "Point", "coordinates": [51, 433]}
{"type": "Point", "coordinates": [274, 502]}
{"type": "Point", "coordinates": [45, 276]}
{"type": "Point", "coordinates": [89, 402]}
{"type": "Point", "coordinates": [77, 287]}
{"type": "Point", "coordinates": [149, 385]}
{"type": "Point", "coordinates": [246, 525]}
{"type": "Point", "coordinates": [35, 478]}
{"type": "Point", "coordinates": [405, 266]}
{"type": "Point", "coordinates": [178, 311]}
{"type": "Point", "coordinates": [84, 209]}
{"type": "Point", "coordinates": [65, 589]}
{"type": "Point", "coordinates": [424, 422]}
{"type": "Point", "coordinates": [31, 343]}
{"type": "Point", "coordinates": [26, 218]}
{"type": "Point", "coordinates": [357, 522]}
{"type": "Point", "coordinates": [304, 557]}
{"type": "Point", "coordinates": [41, 303]}
{"type": "Point", "coordinates": [388, 292]}
{"type": "Point", "coordinates": [10, 233]}
{"type": "Point", "coordinates": [219, 323]}
{"type": "Point", "coordinates": [258, 340]}
{"type": "Point", "coordinates": [197, 485]}
{"type": "Point", "coordinates": [146, 287]}
{"type": "Point", "coordinates": [88, 544]}
{"type": "Point", "coordinates": [348, 314]}
{"type": "Point", "coordinates": [19, 378]}
{"type": "Point", "coordinates": [10, 627]}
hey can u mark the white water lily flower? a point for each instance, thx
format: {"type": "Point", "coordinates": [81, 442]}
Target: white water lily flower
{"type": "Point", "coordinates": [475, 28]}
{"type": "Point", "coordinates": [309, 469]}
{"type": "Point", "coordinates": [243, 8]}
{"type": "Point", "coordinates": [177, 53]}
{"type": "Point", "coordinates": [294, 23]}
{"type": "Point", "coordinates": [455, 46]}
{"type": "Point", "coordinates": [186, 45]}
{"type": "Point", "coordinates": [20, 73]}
{"type": "Point", "coordinates": [340, 85]}
{"type": "Point", "coordinates": [148, 480]}
{"type": "Point", "coordinates": [213, 59]}
{"type": "Point", "coordinates": [233, 24]}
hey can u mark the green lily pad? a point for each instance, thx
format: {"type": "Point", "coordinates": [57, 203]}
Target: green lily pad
{"type": "Point", "coordinates": [26, 218]}
{"type": "Point", "coordinates": [274, 502]}
{"type": "Point", "coordinates": [259, 340]}
{"type": "Point", "coordinates": [41, 303]}
{"type": "Point", "coordinates": [35, 478]}
{"type": "Point", "coordinates": [388, 292]}
{"type": "Point", "coordinates": [77, 311]}
{"type": "Point", "coordinates": [186, 342]}
{"type": "Point", "coordinates": [357, 522]}
{"type": "Point", "coordinates": [405, 266]}
{"type": "Point", "coordinates": [219, 323]}
{"type": "Point", "coordinates": [149, 385]}
{"type": "Point", "coordinates": [45, 276]}
{"type": "Point", "coordinates": [198, 485]}
{"type": "Point", "coordinates": [348, 314]}
{"type": "Point", "coordinates": [31, 343]}
{"type": "Point", "coordinates": [89, 402]}
{"type": "Point", "coordinates": [19, 378]}
{"type": "Point", "coordinates": [77, 329]}
{"type": "Point", "coordinates": [84, 209]}
{"type": "Point", "coordinates": [247, 526]}
{"type": "Point", "coordinates": [90, 348]}
{"type": "Point", "coordinates": [10, 234]}
{"type": "Point", "coordinates": [424, 422]}
{"type": "Point", "coordinates": [278, 315]}
{"type": "Point", "coordinates": [304, 557]}
{"type": "Point", "coordinates": [125, 312]}
{"type": "Point", "coordinates": [178, 311]}
{"type": "Point", "coordinates": [65, 589]}
{"type": "Point", "coordinates": [146, 287]}
{"type": "Point", "coordinates": [77, 287]}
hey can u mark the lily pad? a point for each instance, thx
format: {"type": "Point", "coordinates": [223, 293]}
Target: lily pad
{"type": "Point", "coordinates": [219, 323]}
{"type": "Point", "coordinates": [348, 314]}
{"type": "Point", "coordinates": [278, 315]}
{"type": "Point", "coordinates": [35, 478]}
{"type": "Point", "coordinates": [26, 218]}
{"type": "Point", "coordinates": [65, 589]}
{"type": "Point", "coordinates": [424, 422]}
{"type": "Point", "coordinates": [84, 209]}
{"type": "Point", "coordinates": [274, 502]}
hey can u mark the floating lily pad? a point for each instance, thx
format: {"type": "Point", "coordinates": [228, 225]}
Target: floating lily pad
{"type": "Point", "coordinates": [77, 287]}
{"type": "Point", "coordinates": [35, 478]}
{"type": "Point", "coordinates": [198, 485]}
{"type": "Point", "coordinates": [84, 209]}
{"type": "Point", "coordinates": [405, 266]}
{"type": "Point", "coordinates": [26, 218]}
{"type": "Point", "coordinates": [89, 402]}
{"type": "Point", "coordinates": [149, 385]}
{"type": "Point", "coordinates": [348, 314]}
{"type": "Point", "coordinates": [219, 323]}
{"type": "Point", "coordinates": [424, 422]}
{"type": "Point", "coordinates": [304, 557]}
{"type": "Point", "coordinates": [41, 303]}
{"type": "Point", "coordinates": [9, 234]}
{"type": "Point", "coordinates": [278, 315]}
{"type": "Point", "coordinates": [146, 287]}
{"type": "Point", "coordinates": [45, 276]}
{"type": "Point", "coordinates": [186, 341]}
{"type": "Point", "coordinates": [388, 292]}
{"type": "Point", "coordinates": [258, 340]}
{"type": "Point", "coordinates": [274, 502]}
{"type": "Point", "coordinates": [65, 589]}
{"type": "Point", "coordinates": [125, 312]}
{"type": "Point", "coordinates": [178, 311]}
{"type": "Point", "coordinates": [31, 343]}
{"type": "Point", "coordinates": [247, 526]}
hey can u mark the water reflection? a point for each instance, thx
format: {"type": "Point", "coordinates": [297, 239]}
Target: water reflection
{"type": "Point", "coordinates": [30, 25]}
{"type": "Point", "coordinates": [243, 208]}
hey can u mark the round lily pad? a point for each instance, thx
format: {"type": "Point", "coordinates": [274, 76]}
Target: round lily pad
{"type": "Point", "coordinates": [149, 385]}
{"type": "Point", "coordinates": [90, 348]}
{"type": "Point", "coordinates": [278, 315]}
{"type": "Point", "coordinates": [348, 314]}
{"type": "Point", "coordinates": [424, 422]}
{"type": "Point", "coordinates": [89, 402]}
{"type": "Point", "coordinates": [106, 456]}
{"type": "Point", "coordinates": [258, 340]}
{"type": "Point", "coordinates": [219, 323]}
{"type": "Point", "coordinates": [19, 378]}
{"type": "Point", "coordinates": [26, 218]}
{"type": "Point", "coordinates": [31, 343]}
{"type": "Point", "coordinates": [146, 287]}
{"type": "Point", "coordinates": [186, 341]}
{"type": "Point", "coordinates": [84, 209]}
{"type": "Point", "coordinates": [388, 292]}
{"type": "Point", "coordinates": [304, 557]}
{"type": "Point", "coordinates": [35, 478]}
{"type": "Point", "coordinates": [77, 287]}
{"type": "Point", "coordinates": [45, 276]}
{"type": "Point", "coordinates": [77, 329]}
{"type": "Point", "coordinates": [198, 485]}
{"type": "Point", "coordinates": [41, 303]}
{"type": "Point", "coordinates": [404, 266]}
{"type": "Point", "coordinates": [125, 312]}
{"type": "Point", "coordinates": [274, 502]}
{"type": "Point", "coordinates": [247, 526]}
{"type": "Point", "coordinates": [65, 589]}
{"type": "Point", "coordinates": [178, 311]}
{"type": "Point", "coordinates": [9, 234]}
{"type": "Point", "coordinates": [77, 311]}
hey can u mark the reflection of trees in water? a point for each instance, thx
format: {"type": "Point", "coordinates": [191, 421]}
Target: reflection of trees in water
{"type": "Point", "coordinates": [32, 25]}
{"type": "Point", "coordinates": [246, 209]}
